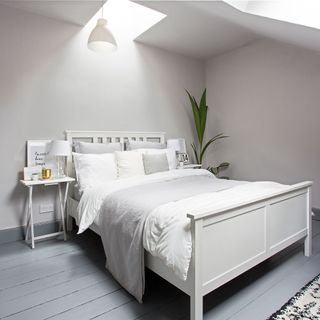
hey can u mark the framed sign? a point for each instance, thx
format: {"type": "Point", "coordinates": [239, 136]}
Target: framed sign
{"type": "Point", "coordinates": [37, 153]}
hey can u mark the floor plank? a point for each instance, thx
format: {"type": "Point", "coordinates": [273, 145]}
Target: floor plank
{"type": "Point", "coordinates": [54, 265]}
{"type": "Point", "coordinates": [69, 301]}
{"type": "Point", "coordinates": [133, 310]}
{"type": "Point", "coordinates": [68, 280]}
{"type": "Point", "coordinates": [272, 300]}
{"type": "Point", "coordinates": [53, 292]}
{"type": "Point", "coordinates": [31, 287]}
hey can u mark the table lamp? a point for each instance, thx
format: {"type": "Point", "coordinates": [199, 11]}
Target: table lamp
{"type": "Point", "coordinates": [60, 149]}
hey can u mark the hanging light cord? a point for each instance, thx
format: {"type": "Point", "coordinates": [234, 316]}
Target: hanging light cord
{"type": "Point", "coordinates": [103, 2]}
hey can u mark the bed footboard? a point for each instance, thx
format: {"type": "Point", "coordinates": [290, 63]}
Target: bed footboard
{"type": "Point", "coordinates": [231, 241]}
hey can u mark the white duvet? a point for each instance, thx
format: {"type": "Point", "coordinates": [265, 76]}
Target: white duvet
{"type": "Point", "coordinates": [92, 198]}
{"type": "Point", "coordinates": [167, 229]}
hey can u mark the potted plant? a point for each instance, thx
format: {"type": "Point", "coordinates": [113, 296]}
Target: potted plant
{"type": "Point", "coordinates": [200, 111]}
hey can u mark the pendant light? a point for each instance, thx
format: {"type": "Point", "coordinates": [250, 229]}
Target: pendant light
{"type": "Point", "coordinates": [101, 39]}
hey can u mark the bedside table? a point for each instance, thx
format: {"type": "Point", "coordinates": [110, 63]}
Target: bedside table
{"type": "Point", "coordinates": [62, 201]}
{"type": "Point", "coordinates": [190, 166]}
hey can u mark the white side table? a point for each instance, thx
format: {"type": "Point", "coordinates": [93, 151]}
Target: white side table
{"type": "Point", "coordinates": [190, 166]}
{"type": "Point", "coordinates": [62, 201]}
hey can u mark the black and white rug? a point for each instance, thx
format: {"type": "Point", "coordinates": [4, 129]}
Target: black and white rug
{"type": "Point", "coordinates": [305, 305]}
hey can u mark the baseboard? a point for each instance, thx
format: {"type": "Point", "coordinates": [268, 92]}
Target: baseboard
{"type": "Point", "coordinates": [17, 234]}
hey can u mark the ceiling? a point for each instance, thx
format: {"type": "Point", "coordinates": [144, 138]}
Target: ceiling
{"type": "Point", "coordinates": [202, 29]}
{"type": "Point", "coordinates": [199, 29]}
{"type": "Point", "coordinates": [192, 31]}
{"type": "Point", "coordinates": [72, 11]}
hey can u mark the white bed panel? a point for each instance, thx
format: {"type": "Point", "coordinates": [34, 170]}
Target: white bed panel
{"type": "Point", "coordinates": [285, 219]}
{"type": "Point", "coordinates": [233, 241]}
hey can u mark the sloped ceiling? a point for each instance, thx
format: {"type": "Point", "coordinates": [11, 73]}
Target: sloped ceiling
{"type": "Point", "coordinates": [72, 11]}
{"type": "Point", "coordinates": [192, 31]}
{"type": "Point", "coordinates": [199, 29]}
{"type": "Point", "coordinates": [203, 29]}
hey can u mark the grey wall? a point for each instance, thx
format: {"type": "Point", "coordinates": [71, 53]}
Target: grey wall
{"type": "Point", "coordinates": [50, 82]}
{"type": "Point", "coordinates": [266, 96]}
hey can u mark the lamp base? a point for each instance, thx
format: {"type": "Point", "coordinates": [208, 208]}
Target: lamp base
{"type": "Point", "coordinates": [60, 170]}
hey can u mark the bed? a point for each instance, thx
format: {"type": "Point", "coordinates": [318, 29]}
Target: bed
{"type": "Point", "coordinates": [258, 228]}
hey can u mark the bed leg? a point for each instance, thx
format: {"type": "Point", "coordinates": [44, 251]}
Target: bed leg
{"type": "Point", "coordinates": [308, 246]}
{"type": "Point", "coordinates": [196, 307]}
{"type": "Point", "coordinates": [308, 239]}
{"type": "Point", "coordinates": [196, 297]}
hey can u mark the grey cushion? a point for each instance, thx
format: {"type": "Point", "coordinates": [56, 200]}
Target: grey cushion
{"type": "Point", "coordinates": [155, 163]}
{"type": "Point", "coordinates": [133, 145]}
{"type": "Point", "coordinates": [96, 148]}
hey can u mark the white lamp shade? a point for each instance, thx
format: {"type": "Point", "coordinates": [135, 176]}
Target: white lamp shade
{"type": "Point", "coordinates": [179, 145]}
{"type": "Point", "coordinates": [101, 39]}
{"type": "Point", "coordinates": [60, 148]}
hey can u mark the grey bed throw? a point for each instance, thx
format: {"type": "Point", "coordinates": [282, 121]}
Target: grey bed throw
{"type": "Point", "coordinates": [122, 219]}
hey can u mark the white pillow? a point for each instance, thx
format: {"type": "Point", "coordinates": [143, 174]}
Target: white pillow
{"type": "Point", "coordinates": [134, 145]}
{"type": "Point", "coordinates": [129, 163]}
{"type": "Point", "coordinates": [96, 148]}
{"type": "Point", "coordinates": [94, 169]}
{"type": "Point", "coordinates": [171, 155]}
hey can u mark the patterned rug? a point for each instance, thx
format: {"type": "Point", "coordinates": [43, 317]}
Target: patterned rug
{"type": "Point", "coordinates": [305, 305]}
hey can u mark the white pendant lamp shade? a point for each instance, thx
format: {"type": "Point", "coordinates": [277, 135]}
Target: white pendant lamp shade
{"type": "Point", "coordinates": [101, 39]}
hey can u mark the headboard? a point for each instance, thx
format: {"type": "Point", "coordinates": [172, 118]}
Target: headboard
{"type": "Point", "coordinates": [107, 137]}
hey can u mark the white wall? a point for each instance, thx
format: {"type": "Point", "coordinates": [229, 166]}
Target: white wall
{"type": "Point", "coordinates": [266, 96]}
{"type": "Point", "coordinates": [50, 82]}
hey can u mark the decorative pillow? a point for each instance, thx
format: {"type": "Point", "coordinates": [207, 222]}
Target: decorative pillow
{"type": "Point", "coordinates": [96, 148]}
{"type": "Point", "coordinates": [134, 145]}
{"type": "Point", "coordinates": [94, 169]}
{"type": "Point", "coordinates": [155, 163]}
{"type": "Point", "coordinates": [171, 155]}
{"type": "Point", "coordinates": [129, 164]}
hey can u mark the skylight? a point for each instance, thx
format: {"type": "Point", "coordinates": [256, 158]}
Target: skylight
{"type": "Point", "coordinates": [130, 17]}
{"type": "Point", "coordinates": [302, 12]}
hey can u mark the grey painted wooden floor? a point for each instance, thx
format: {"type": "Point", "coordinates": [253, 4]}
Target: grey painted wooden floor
{"type": "Point", "coordinates": [67, 280]}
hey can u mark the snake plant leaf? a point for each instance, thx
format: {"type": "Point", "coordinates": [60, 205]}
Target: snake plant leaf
{"type": "Point", "coordinates": [197, 119]}
{"type": "Point", "coordinates": [203, 101]}
{"type": "Point", "coordinates": [203, 120]}
{"type": "Point", "coordinates": [194, 148]}
{"type": "Point", "coordinates": [203, 110]}
{"type": "Point", "coordinates": [215, 138]}
{"type": "Point", "coordinates": [196, 114]}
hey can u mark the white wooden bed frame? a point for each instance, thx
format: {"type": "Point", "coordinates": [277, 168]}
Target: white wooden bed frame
{"type": "Point", "coordinates": [227, 242]}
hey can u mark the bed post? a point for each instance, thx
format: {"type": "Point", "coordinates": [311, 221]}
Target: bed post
{"type": "Point", "coordinates": [196, 299]}
{"type": "Point", "coordinates": [308, 239]}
